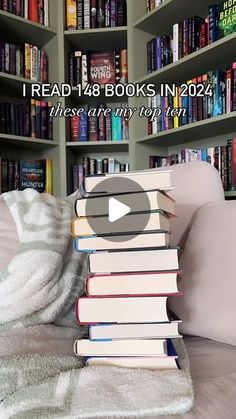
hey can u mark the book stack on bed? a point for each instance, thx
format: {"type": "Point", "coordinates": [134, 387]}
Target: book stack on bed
{"type": "Point", "coordinates": [129, 280]}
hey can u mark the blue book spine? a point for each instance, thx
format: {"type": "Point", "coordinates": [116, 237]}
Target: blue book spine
{"type": "Point", "coordinates": [217, 92]}
{"type": "Point", "coordinates": [119, 128]}
{"type": "Point", "coordinates": [186, 106]}
{"type": "Point", "coordinates": [158, 53]}
{"type": "Point", "coordinates": [204, 154]}
{"type": "Point", "coordinates": [83, 131]}
{"type": "Point", "coordinates": [162, 114]}
{"type": "Point", "coordinates": [213, 23]}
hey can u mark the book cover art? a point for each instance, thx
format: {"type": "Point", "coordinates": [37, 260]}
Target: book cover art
{"type": "Point", "coordinates": [227, 17]}
{"type": "Point", "coordinates": [102, 67]}
{"type": "Point", "coordinates": [32, 175]}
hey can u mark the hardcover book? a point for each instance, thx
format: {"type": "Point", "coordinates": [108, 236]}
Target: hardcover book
{"type": "Point", "coordinates": [102, 67]}
{"type": "Point", "coordinates": [134, 284]}
{"type": "Point", "coordinates": [227, 17]}
{"type": "Point", "coordinates": [122, 310]}
{"type": "Point", "coordinates": [32, 175]}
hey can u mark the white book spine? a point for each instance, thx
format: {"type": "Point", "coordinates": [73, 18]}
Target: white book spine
{"type": "Point", "coordinates": [84, 71]}
{"type": "Point", "coordinates": [175, 42]}
{"type": "Point", "coordinates": [111, 165]}
{"type": "Point", "coordinates": [26, 10]}
{"type": "Point", "coordinates": [86, 14]}
{"type": "Point", "coordinates": [46, 13]}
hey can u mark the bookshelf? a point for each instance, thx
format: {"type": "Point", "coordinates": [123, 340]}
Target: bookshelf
{"type": "Point", "coordinates": [141, 27]}
{"type": "Point", "coordinates": [203, 134]}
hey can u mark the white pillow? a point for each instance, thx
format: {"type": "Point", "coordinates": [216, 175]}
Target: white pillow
{"type": "Point", "coordinates": [208, 263]}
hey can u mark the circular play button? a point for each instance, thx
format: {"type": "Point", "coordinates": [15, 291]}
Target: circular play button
{"type": "Point", "coordinates": [117, 216]}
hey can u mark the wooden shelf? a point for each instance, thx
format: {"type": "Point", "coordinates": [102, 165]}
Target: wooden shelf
{"type": "Point", "coordinates": [196, 131]}
{"type": "Point", "coordinates": [99, 146]}
{"type": "Point", "coordinates": [20, 30]}
{"type": "Point", "coordinates": [211, 57]}
{"type": "Point", "coordinates": [97, 39]}
{"type": "Point", "coordinates": [11, 84]}
{"type": "Point", "coordinates": [160, 20]}
{"type": "Point", "coordinates": [8, 140]}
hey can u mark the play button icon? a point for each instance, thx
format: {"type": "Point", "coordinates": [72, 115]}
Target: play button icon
{"type": "Point", "coordinates": [117, 210]}
{"type": "Point", "coordinates": [118, 216]}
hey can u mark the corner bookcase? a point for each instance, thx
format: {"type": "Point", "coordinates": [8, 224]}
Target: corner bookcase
{"type": "Point", "coordinates": [141, 27]}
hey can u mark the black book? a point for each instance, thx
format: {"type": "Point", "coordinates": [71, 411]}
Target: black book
{"type": "Point", "coordinates": [101, 14]}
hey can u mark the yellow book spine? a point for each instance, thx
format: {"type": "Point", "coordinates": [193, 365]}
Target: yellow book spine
{"type": "Point", "coordinates": [176, 105]}
{"type": "Point", "coordinates": [49, 185]}
{"type": "Point", "coordinates": [71, 14]}
{"type": "Point", "coordinates": [27, 61]}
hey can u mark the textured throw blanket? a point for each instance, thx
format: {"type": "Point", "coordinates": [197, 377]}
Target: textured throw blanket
{"type": "Point", "coordinates": [39, 376]}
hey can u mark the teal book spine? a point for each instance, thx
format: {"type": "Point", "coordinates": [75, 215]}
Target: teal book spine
{"type": "Point", "coordinates": [116, 124]}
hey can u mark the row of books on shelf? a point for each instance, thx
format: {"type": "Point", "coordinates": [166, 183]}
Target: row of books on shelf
{"type": "Point", "coordinates": [223, 158]}
{"type": "Point", "coordinates": [189, 36]}
{"type": "Point", "coordinates": [130, 279]}
{"type": "Point", "coordinates": [153, 4]}
{"type": "Point", "coordinates": [102, 128]}
{"type": "Point", "coordinates": [34, 10]}
{"type": "Point", "coordinates": [23, 174]}
{"type": "Point", "coordinates": [98, 67]}
{"type": "Point", "coordinates": [92, 167]}
{"type": "Point", "coordinates": [220, 99]}
{"type": "Point", "coordinates": [29, 119]}
{"type": "Point", "coordinates": [26, 61]}
{"type": "Point", "coordinates": [91, 14]}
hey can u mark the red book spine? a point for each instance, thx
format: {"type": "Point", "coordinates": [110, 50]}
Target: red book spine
{"type": "Point", "coordinates": [33, 11]}
{"type": "Point", "coordinates": [75, 125]}
{"type": "Point", "coordinates": [203, 35]}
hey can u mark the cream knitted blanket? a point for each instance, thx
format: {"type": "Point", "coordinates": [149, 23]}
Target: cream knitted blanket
{"type": "Point", "coordinates": [38, 376]}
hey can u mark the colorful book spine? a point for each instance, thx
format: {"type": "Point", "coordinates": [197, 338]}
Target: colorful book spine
{"type": "Point", "coordinates": [80, 18]}
{"type": "Point", "coordinates": [33, 11]}
{"type": "Point", "coordinates": [83, 132]}
{"type": "Point", "coordinates": [49, 177]}
{"type": "Point", "coordinates": [71, 14]}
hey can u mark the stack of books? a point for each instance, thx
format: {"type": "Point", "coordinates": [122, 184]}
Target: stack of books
{"type": "Point", "coordinates": [130, 276]}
